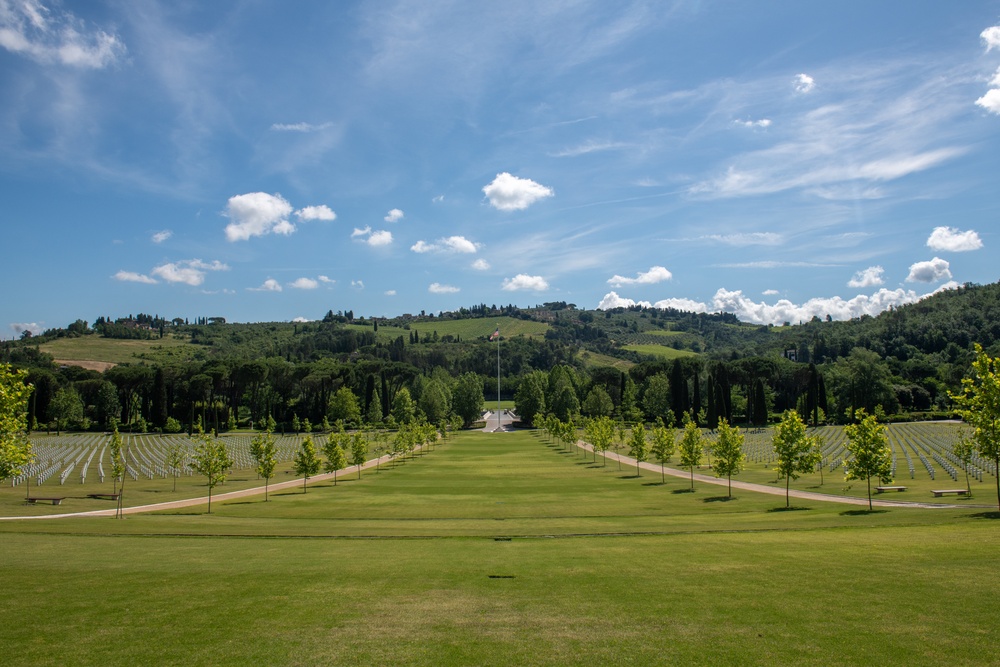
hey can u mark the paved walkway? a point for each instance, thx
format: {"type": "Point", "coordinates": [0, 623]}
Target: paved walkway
{"type": "Point", "coordinates": [774, 491]}
{"type": "Point", "coordinates": [216, 497]}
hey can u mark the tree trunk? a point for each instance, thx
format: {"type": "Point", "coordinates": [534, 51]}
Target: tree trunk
{"type": "Point", "coordinates": [869, 494]}
{"type": "Point", "coordinates": [730, 478]}
{"type": "Point", "coordinates": [788, 479]}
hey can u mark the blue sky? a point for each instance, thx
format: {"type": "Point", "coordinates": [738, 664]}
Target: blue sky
{"type": "Point", "coordinates": [268, 161]}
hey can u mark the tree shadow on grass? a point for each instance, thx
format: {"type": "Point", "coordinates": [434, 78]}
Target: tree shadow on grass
{"type": "Point", "coordinates": [986, 515]}
{"type": "Point", "coordinates": [629, 476]}
{"type": "Point", "coordinates": [654, 483]}
{"type": "Point", "coordinates": [862, 512]}
{"type": "Point", "coordinates": [718, 499]}
{"type": "Point", "coordinates": [683, 491]}
{"type": "Point", "coordinates": [793, 508]}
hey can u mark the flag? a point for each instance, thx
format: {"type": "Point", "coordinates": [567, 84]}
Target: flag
{"type": "Point", "coordinates": [496, 334]}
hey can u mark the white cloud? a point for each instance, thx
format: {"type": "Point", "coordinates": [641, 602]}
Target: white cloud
{"type": "Point", "coordinates": [804, 83]}
{"type": "Point", "coordinates": [395, 215]}
{"type": "Point", "coordinates": [481, 265]}
{"type": "Point", "coordinates": [160, 237]}
{"type": "Point", "coordinates": [931, 271]}
{"type": "Point", "coordinates": [763, 123]}
{"type": "Point", "coordinates": [325, 279]}
{"type": "Point", "coordinates": [20, 327]}
{"type": "Point", "coordinates": [361, 232]}
{"type": "Point", "coordinates": [785, 311]}
{"type": "Point", "coordinates": [867, 277]}
{"type": "Point", "coordinates": [438, 288]}
{"type": "Point", "coordinates": [321, 212]}
{"type": "Point", "coordinates": [257, 214]}
{"type": "Point", "coordinates": [590, 147]}
{"type": "Point", "coordinates": [770, 292]}
{"type": "Point", "coordinates": [510, 193]}
{"type": "Point", "coordinates": [52, 36]}
{"type": "Point", "coordinates": [951, 239]}
{"type": "Point", "coordinates": [188, 271]}
{"type": "Point", "coordinates": [612, 300]}
{"type": "Point", "coordinates": [991, 37]}
{"type": "Point", "coordinates": [747, 238]}
{"type": "Point", "coordinates": [995, 81]}
{"type": "Point", "coordinates": [131, 277]}
{"type": "Point", "coordinates": [524, 282]}
{"type": "Point", "coordinates": [304, 283]}
{"type": "Point", "coordinates": [390, 292]}
{"type": "Point", "coordinates": [299, 127]}
{"type": "Point", "coordinates": [687, 305]}
{"type": "Point", "coordinates": [380, 238]}
{"type": "Point", "coordinates": [656, 274]}
{"type": "Point", "coordinates": [438, 199]}
{"type": "Point", "coordinates": [990, 101]}
{"type": "Point", "coordinates": [269, 285]}
{"type": "Point", "coordinates": [359, 284]}
{"type": "Point", "coordinates": [456, 244]}
{"type": "Point", "coordinates": [301, 319]}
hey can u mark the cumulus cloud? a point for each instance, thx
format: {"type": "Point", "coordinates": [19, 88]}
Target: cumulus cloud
{"type": "Point", "coordinates": [687, 305]}
{"type": "Point", "coordinates": [770, 292]}
{"type": "Point", "coordinates": [524, 282]}
{"type": "Point", "coordinates": [361, 232]}
{"type": "Point", "coordinates": [990, 101]}
{"type": "Point", "coordinates": [257, 214]}
{"type": "Point", "coordinates": [612, 300]}
{"type": "Point", "coordinates": [160, 237]}
{"type": "Point", "coordinates": [931, 271]}
{"type": "Point", "coordinates": [269, 285]}
{"type": "Point", "coordinates": [301, 319]}
{"type": "Point", "coordinates": [326, 280]}
{"type": "Point", "coordinates": [746, 238]}
{"type": "Point", "coordinates": [867, 277]}
{"type": "Point", "coordinates": [481, 265]}
{"type": "Point", "coordinates": [656, 274]}
{"type": "Point", "coordinates": [29, 28]}
{"type": "Point", "coordinates": [804, 83]}
{"type": "Point", "coordinates": [951, 239]}
{"type": "Point", "coordinates": [438, 288]}
{"type": "Point", "coordinates": [299, 127]}
{"type": "Point", "coordinates": [455, 244]}
{"type": "Point", "coordinates": [380, 238]}
{"type": "Point", "coordinates": [321, 212]}
{"type": "Point", "coordinates": [763, 123]}
{"type": "Point", "coordinates": [132, 277]}
{"type": "Point", "coordinates": [304, 283]}
{"type": "Point", "coordinates": [358, 284]}
{"type": "Point", "coordinates": [390, 292]}
{"type": "Point", "coordinates": [510, 193]}
{"type": "Point", "coordinates": [189, 271]}
{"type": "Point", "coordinates": [395, 215]}
{"type": "Point", "coordinates": [991, 37]}
{"type": "Point", "coordinates": [20, 327]}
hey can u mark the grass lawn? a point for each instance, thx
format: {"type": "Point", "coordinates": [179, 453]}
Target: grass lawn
{"type": "Point", "coordinates": [500, 549]}
{"type": "Point", "coordinates": [468, 330]}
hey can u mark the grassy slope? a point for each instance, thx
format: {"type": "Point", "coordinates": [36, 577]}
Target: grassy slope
{"type": "Point", "coordinates": [469, 329]}
{"type": "Point", "coordinates": [687, 577]}
{"type": "Point", "coordinates": [96, 348]}
{"type": "Point", "coordinates": [661, 351]}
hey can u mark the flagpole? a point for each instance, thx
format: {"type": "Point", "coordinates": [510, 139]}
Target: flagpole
{"type": "Point", "coordinates": [498, 377]}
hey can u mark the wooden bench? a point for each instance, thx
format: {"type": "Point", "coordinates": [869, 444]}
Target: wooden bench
{"type": "Point", "coordinates": [54, 501]}
{"type": "Point", "coordinates": [882, 489]}
{"type": "Point", "coordinates": [104, 496]}
{"type": "Point", "coordinates": [946, 492]}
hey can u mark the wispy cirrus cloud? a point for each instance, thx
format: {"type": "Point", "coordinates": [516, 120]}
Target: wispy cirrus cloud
{"type": "Point", "coordinates": [133, 277]}
{"type": "Point", "coordinates": [55, 36]}
{"type": "Point", "coordinates": [591, 146]}
{"type": "Point", "coordinates": [746, 238]}
{"type": "Point", "coordinates": [299, 127]}
{"type": "Point", "coordinates": [160, 237]}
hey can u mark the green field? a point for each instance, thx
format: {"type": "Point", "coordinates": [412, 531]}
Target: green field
{"type": "Point", "coordinates": [497, 550]}
{"type": "Point", "coordinates": [661, 351]}
{"type": "Point", "coordinates": [468, 329]}
{"type": "Point", "coordinates": [116, 351]}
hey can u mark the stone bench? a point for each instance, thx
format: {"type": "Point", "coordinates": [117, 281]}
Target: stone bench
{"type": "Point", "coordinates": [949, 492]}
{"type": "Point", "coordinates": [104, 496]}
{"type": "Point", "coordinates": [882, 489]}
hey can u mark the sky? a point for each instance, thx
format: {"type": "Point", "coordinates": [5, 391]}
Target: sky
{"type": "Point", "coordinates": [272, 161]}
